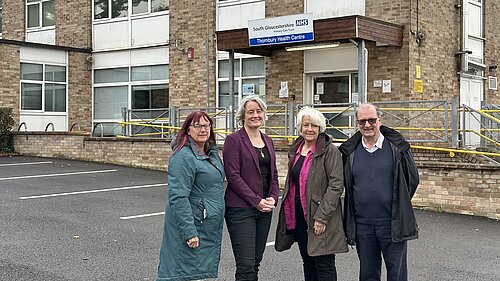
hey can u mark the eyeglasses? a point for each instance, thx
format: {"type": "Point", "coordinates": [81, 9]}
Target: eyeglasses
{"type": "Point", "coordinates": [372, 121]}
{"type": "Point", "coordinates": [199, 126]}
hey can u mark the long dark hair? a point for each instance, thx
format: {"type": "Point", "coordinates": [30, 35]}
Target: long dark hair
{"type": "Point", "coordinates": [182, 136]}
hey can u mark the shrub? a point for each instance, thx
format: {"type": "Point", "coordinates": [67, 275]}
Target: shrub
{"type": "Point", "coordinates": [6, 123]}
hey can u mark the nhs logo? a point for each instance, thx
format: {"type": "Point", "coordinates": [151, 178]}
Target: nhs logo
{"type": "Point", "coordinates": [301, 22]}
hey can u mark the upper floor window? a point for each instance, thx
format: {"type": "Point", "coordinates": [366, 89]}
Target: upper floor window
{"type": "Point", "coordinates": [40, 13]}
{"type": "Point", "coordinates": [104, 9]}
{"type": "Point", "coordinates": [149, 6]}
{"type": "Point", "coordinates": [43, 87]}
{"type": "Point", "coordinates": [1, 5]}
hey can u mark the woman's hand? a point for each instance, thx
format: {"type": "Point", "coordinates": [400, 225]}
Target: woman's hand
{"type": "Point", "coordinates": [266, 205]}
{"type": "Point", "coordinates": [319, 228]}
{"type": "Point", "coordinates": [193, 242]}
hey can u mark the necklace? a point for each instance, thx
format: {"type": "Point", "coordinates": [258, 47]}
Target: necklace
{"type": "Point", "coordinates": [261, 152]}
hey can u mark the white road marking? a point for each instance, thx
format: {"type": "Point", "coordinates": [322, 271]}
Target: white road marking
{"type": "Point", "coordinates": [26, 163]}
{"type": "Point", "coordinates": [142, 216]}
{"type": "Point", "coordinates": [57, 175]}
{"type": "Point", "coordinates": [91, 191]}
{"type": "Point", "coordinates": [270, 244]}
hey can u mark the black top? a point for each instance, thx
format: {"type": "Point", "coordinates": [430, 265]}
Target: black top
{"type": "Point", "coordinates": [295, 175]}
{"type": "Point", "coordinates": [265, 169]}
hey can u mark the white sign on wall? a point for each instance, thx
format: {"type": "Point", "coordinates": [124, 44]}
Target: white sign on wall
{"type": "Point", "coordinates": [280, 30]}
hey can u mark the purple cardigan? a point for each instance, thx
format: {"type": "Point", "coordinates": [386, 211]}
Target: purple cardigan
{"type": "Point", "coordinates": [241, 164]}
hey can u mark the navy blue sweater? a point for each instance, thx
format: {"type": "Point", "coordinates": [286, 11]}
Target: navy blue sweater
{"type": "Point", "coordinates": [373, 184]}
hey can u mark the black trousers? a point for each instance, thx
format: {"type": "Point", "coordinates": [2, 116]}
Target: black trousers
{"type": "Point", "coordinates": [317, 268]}
{"type": "Point", "coordinates": [371, 242]}
{"type": "Point", "coordinates": [248, 230]}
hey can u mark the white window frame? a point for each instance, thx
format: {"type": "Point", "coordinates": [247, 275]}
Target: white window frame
{"type": "Point", "coordinates": [150, 9]}
{"type": "Point", "coordinates": [43, 82]}
{"type": "Point", "coordinates": [40, 15]}
{"type": "Point", "coordinates": [238, 78]}
{"type": "Point", "coordinates": [129, 84]}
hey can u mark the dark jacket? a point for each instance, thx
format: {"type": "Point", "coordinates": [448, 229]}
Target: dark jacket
{"type": "Point", "coordinates": [403, 222]}
{"type": "Point", "coordinates": [323, 190]}
{"type": "Point", "coordinates": [241, 163]}
{"type": "Point", "coordinates": [195, 208]}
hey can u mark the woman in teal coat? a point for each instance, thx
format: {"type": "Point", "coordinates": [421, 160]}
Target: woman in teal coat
{"type": "Point", "coordinates": [194, 214]}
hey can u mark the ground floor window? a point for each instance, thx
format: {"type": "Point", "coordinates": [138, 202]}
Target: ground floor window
{"type": "Point", "coordinates": [249, 78]}
{"type": "Point", "coordinates": [141, 91]}
{"type": "Point", "coordinates": [43, 87]}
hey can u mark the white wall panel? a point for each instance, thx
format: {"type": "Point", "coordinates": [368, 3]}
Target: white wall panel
{"type": "Point", "coordinates": [150, 30]}
{"type": "Point", "coordinates": [330, 60]}
{"type": "Point", "coordinates": [111, 59]}
{"type": "Point", "coordinates": [110, 35]}
{"type": "Point", "coordinates": [149, 56]}
{"type": "Point", "coordinates": [42, 55]}
{"type": "Point", "coordinates": [322, 9]}
{"type": "Point", "coordinates": [42, 36]}
{"type": "Point", "coordinates": [38, 122]}
{"type": "Point", "coordinates": [236, 16]}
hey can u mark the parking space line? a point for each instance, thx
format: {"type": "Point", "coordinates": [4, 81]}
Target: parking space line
{"type": "Point", "coordinates": [270, 243]}
{"type": "Point", "coordinates": [26, 163]}
{"type": "Point", "coordinates": [142, 216]}
{"type": "Point", "coordinates": [57, 175]}
{"type": "Point", "coordinates": [91, 191]}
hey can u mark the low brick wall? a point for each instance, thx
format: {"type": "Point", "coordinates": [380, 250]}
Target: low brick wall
{"type": "Point", "coordinates": [446, 184]}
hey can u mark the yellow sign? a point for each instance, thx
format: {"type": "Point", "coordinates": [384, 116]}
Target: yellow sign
{"type": "Point", "coordinates": [418, 73]}
{"type": "Point", "coordinates": [418, 86]}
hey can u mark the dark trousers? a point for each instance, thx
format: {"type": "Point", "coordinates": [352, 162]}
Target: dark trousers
{"type": "Point", "coordinates": [248, 230]}
{"type": "Point", "coordinates": [317, 268]}
{"type": "Point", "coordinates": [371, 241]}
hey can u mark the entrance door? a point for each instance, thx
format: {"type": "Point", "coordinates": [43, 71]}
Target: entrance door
{"type": "Point", "coordinates": [471, 91]}
{"type": "Point", "coordinates": [327, 92]}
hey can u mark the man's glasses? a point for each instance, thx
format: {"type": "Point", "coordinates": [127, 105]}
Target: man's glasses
{"type": "Point", "coordinates": [199, 126]}
{"type": "Point", "coordinates": [372, 121]}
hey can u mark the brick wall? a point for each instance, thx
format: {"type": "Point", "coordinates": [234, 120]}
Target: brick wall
{"type": "Point", "coordinates": [9, 79]}
{"type": "Point", "coordinates": [74, 23]}
{"type": "Point", "coordinates": [465, 188]}
{"type": "Point", "coordinates": [491, 47]}
{"type": "Point", "coordinates": [13, 19]}
{"type": "Point", "coordinates": [188, 79]}
{"type": "Point", "coordinates": [79, 92]}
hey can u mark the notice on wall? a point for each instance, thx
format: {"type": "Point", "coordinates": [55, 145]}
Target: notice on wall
{"type": "Point", "coordinates": [418, 86]}
{"type": "Point", "coordinates": [386, 86]}
{"type": "Point", "coordinates": [248, 89]}
{"type": "Point", "coordinates": [320, 88]}
{"type": "Point", "coordinates": [283, 93]}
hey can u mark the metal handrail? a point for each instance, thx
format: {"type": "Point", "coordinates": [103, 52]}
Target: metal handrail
{"type": "Point", "coordinates": [102, 129]}
{"type": "Point", "coordinates": [25, 126]}
{"type": "Point", "coordinates": [72, 126]}
{"type": "Point", "coordinates": [50, 124]}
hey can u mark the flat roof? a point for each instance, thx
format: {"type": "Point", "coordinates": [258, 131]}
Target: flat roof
{"type": "Point", "coordinates": [340, 29]}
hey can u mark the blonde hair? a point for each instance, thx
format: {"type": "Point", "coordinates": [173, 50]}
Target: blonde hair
{"type": "Point", "coordinates": [240, 114]}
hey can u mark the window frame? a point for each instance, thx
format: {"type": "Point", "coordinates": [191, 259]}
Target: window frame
{"type": "Point", "coordinates": [40, 25]}
{"type": "Point", "coordinates": [43, 82]}
{"type": "Point", "coordinates": [129, 12]}
{"type": "Point", "coordinates": [239, 79]}
{"type": "Point", "coordinates": [1, 17]}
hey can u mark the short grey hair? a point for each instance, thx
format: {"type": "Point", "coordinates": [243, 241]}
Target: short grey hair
{"type": "Point", "coordinates": [317, 118]}
{"type": "Point", "coordinates": [369, 104]}
{"type": "Point", "coordinates": [240, 114]}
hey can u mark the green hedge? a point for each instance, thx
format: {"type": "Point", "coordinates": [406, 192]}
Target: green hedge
{"type": "Point", "coordinates": [6, 123]}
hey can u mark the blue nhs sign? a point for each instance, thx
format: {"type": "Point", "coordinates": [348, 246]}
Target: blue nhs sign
{"type": "Point", "coordinates": [301, 22]}
{"type": "Point", "coordinates": [281, 30]}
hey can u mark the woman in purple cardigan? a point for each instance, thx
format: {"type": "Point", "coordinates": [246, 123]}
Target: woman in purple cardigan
{"type": "Point", "coordinates": [252, 190]}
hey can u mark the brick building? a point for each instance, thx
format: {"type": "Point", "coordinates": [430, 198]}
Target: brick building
{"type": "Point", "coordinates": [78, 63]}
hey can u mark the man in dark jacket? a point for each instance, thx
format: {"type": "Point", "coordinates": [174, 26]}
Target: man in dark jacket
{"type": "Point", "coordinates": [380, 179]}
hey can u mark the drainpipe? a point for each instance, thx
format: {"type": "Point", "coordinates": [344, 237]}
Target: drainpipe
{"type": "Point", "coordinates": [231, 91]}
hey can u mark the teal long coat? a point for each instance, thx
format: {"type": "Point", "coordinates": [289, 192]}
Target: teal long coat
{"type": "Point", "coordinates": [195, 207]}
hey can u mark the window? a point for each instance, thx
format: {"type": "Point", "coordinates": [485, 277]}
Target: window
{"type": "Point", "coordinates": [147, 87]}
{"type": "Point", "coordinates": [1, 9]}
{"type": "Point", "coordinates": [43, 87]}
{"type": "Point", "coordinates": [104, 9]}
{"type": "Point", "coordinates": [40, 13]}
{"type": "Point", "coordinates": [149, 6]}
{"type": "Point", "coordinates": [250, 82]}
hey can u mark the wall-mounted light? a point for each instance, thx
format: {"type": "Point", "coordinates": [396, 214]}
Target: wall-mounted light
{"type": "Point", "coordinates": [312, 46]}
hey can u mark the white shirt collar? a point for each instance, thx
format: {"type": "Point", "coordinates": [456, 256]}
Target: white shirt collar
{"type": "Point", "coordinates": [378, 144]}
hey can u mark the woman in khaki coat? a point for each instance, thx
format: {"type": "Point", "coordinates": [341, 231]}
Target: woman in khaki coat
{"type": "Point", "coordinates": [311, 213]}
